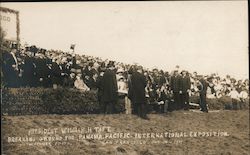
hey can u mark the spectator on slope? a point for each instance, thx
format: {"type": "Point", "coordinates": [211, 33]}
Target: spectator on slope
{"type": "Point", "coordinates": [119, 73]}
{"type": "Point", "coordinates": [211, 85]}
{"type": "Point", "coordinates": [28, 68]}
{"type": "Point", "coordinates": [88, 75]}
{"type": "Point", "coordinates": [163, 98]}
{"type": "Point", "coordinates": [70, 81]}
{"type": "Point", "coordinates": [66, 67]}
{"type": "Point", "coordinates": [79, 84]}
{"type": "Point", "coordinates": [162, 79]}
{"type": "Point", "coordinates": [243, 97]}
{"type": "Point", "coordinates": [55, 74]}
{"type": "Point", "coordinates": [167, 77]}
{"type": "Point", "coordinates": [235, 96]}
{"type": "Point", "coordinates": [122, 86]}
{"type": "Point", "coordinates": [109, 83]}
{"type": "Point", "coordinates": [41, 70]}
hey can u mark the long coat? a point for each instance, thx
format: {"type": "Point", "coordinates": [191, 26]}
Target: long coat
{"type": "Point", "coordinates": [203, 87]}
{"type": "Point", "coordinates": [99, 84]}
{"type": "Point", "coordinates": [28, 71]}
{"type": "Point", "coordinates": [55, 73]}
{"type": "Point", "coordinates": [137, 88]}
{"type": "Point", "coordinates": [10, 75]}
{"type": "Point", "coordinates": [109, 83]}
{"type": "Point", "coordinates": [175, 83]}
{"type": "Point", "coordinates": [185, 84]}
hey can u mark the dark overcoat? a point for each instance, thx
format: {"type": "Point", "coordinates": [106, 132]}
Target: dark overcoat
{"type": "Point", "coordinates": [109, 84]}
{"type": "Point", "coordinates": [185, 84]}
{"type": "Point", "coordinates": [175, 83]}
{"type": "Point", "coordinates": [137, 88]}
{"type": "Point", "coordinates": [10, 75]}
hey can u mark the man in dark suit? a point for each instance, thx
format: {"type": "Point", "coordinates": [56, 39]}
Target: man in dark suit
{"type": "Point", "coordinates": [55, 74]}
{"type": "Point", "coordinates": [202, 86]}
{"type": "Point", "coordinates": [28, 71]}
{"type": "Point", "coordinates": [175, 87]}
{"type": "Point", "coordinates": [88, 75]}
{"type": "Point", "coordinates": [110, 89]}
{"type": "Point", "coordinates": [10, 68]}
{"type": "Point", "coordinates": [65, 73]}
{"type": "Point", "coordinates": [185, 85]}
{"type": "Point", "coordinates": [137, 87]}
{"type": "Point", "coordinates": [42, 70]}
{"type": "Point", "coordinates": [99, 85]}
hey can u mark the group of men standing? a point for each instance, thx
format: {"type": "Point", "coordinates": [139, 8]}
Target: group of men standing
{"type": "Point", "coordinates": [108, 90]}
{"type": "Point", "coordinates": [33, 70]}
{"type": "Point", "coordinates": [181, 87]}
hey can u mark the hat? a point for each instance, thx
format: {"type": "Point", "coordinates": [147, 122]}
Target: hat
{"type": "Point", "coordinates": [91, 64]}
{"type": "Point", "coordinates": [183, 71]}
{"type": "Point", "coordinates": [120, 70]}
{"type": "Point", "coordinates": [139, 68]}
{"type": "Point", "coordinates": [111, 64]}
{"type": "Point", "coordinates": [121, 78]}
{"type": "Point", "coordinates": [73, 70]}
{"type": "Point", "coordinates": [78, 71]}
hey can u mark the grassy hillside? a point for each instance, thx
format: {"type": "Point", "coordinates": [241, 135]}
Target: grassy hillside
{"type": "Point", "coordinates": [234, 142]}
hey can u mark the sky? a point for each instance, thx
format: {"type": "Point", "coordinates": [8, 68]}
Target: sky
{"type": "Point", "coordinates": [203, 36]}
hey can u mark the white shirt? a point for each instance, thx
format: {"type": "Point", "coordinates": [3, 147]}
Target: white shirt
{"type": "Point", "coordinates": [243, 95]}
{"type": "Point", "coordinates": [122, 87]}
{"type": "Point", "coordinates": [234, 94]}
{"type": "Point", "coordinates": [79, 84]}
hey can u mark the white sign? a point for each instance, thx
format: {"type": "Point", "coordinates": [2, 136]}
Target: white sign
{"type": "Point", "coordinates": [8, 22]}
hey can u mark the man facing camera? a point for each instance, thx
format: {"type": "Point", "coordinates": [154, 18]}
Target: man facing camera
{"type": "Point", "coordinates": [175, 87]}
{"type": "Point", "coordinates": [185, 85]}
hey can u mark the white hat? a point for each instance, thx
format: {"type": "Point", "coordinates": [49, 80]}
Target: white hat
{"type": "Point", "coordinates": [120, 70]}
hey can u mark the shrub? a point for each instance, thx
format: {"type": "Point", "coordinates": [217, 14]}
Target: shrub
{"type": "Point", "coordinates": [35, 101]}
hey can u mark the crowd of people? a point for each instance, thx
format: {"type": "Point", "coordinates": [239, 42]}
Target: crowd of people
{"type": "Point", "coordinates": [37, 67]}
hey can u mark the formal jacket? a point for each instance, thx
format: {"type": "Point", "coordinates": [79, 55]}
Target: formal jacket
{"type": "Point", "coordinates": [28, 71]}
{"type": "Point", "coordinates": [79, 84]}
{"type": "Point", "coordinates": [109, 84]}
{"type": "Point", "coordinates": [42, 70]}
{"type": "Point", "coordinates": [137, 88]}
{"type": "Point", "coordinates": [99, 85]}
{"type": "Point", "coordinates": [10, 73]}
{"type": "Point", "coordinates": [203, 87]}
{"type": "Point", "coordinates": [185, 83]}
{"type": "Point", "coordinates": [175, 83]}
{"type": "Point", "coordinates": [55, 73]}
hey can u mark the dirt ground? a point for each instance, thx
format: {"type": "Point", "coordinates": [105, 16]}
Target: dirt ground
{"type": "Point", "coordinates": [232, 127]}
